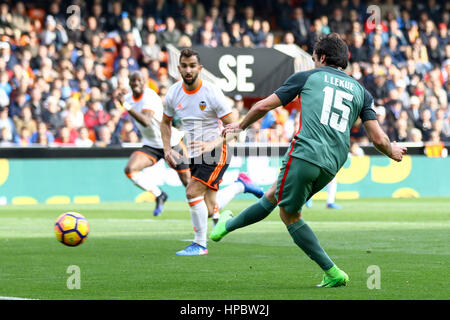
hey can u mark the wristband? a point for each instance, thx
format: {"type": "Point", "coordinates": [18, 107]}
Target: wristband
{"type": "Point", "coordinates": [127, 106]}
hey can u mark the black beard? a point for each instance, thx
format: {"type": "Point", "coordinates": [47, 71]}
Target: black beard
{"type": "Point", "coordinates": [138, 92]}
{"type": "Point", "coordinates": [190, 81]}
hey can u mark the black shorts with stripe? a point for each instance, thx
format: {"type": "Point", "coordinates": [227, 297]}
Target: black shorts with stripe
{"type": "Point", "coordinates": [210, 167]}
{"type": "Point", "coordinates": [156, 154]}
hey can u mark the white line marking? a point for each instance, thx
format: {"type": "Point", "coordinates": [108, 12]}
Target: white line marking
{"type": "Point", "coordinates": [15, 298]}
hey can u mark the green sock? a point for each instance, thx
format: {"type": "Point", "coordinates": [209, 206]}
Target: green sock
{"type": "Point", "coordinates": [256, 212]}
{"type": "Point", "coordinates": [305, 238]}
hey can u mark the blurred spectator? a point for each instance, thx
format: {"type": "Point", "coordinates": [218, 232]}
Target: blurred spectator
{"type": "Point", "coordinates": [42, 132]}
{"type": "Point", "coordinates": [444, 37]}
{"type": "Point", "coordinates": [95, 116]}
{"type": "Point", "coordinates": [208, 35]}
{"type": "Point", "coordinates": [339, 23]}
{"type": "Point", "coordinates": [54, 33]}
{"type": "Point", "coordinates": [104, 137]}
{"type": "Point", "coordinates": [25, 120]}
{"type": "Point", "coordinates": [171, 35]}
{"type": "Point", "coordinates": [64, 139]}
{"type": "Point", "coordinates": [83, 138]}
{"type": "Point", "coordinates": [24, 139]}
{"type": "Point", "coordinates": [416, 135]}
{"type": "Point", "coordinates": [401, 131]}
{"type": "Point", "coordinates": [414, 110]}
{"type": "Point", "coordinates": [73, 111]}
{"type": "Point", "coordinates": [54, 72]}
{"type": "Point", "coordinates": [235, 33]}
{"type": "Point", "coordinates": [300, 26]}
{"type": "Point", "coordinates": [125, 60]}
{"type": "Point", "coordinates": [6, 121]}
{"type": "Point", "coordinates": [256, 34]}
{"type": "Point", "coordinates": [424, 124]}
{"type": "Point", "coordinates": [113, 18]}
{"type": "Point", "coordinates": [358, 52]}
{"type": "Point", "coordinates": [52, 114]}
{"type": "Point", "coordinates": [129, 34]}
{"type": "Point", "coordinates": [151, 49]}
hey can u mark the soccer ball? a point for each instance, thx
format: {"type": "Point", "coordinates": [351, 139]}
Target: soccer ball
{"type": "Point", "coordinates": [71, 229]}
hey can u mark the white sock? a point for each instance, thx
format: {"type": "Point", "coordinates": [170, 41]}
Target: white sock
{"type": "Point", "coordinates": [225, 195]}
{"type": "Point", "coordinates": [332, 189]}
{"type": "Point", "coordinates": [145, 183]}
{"type": "Point", "coordinates": [199, 215]}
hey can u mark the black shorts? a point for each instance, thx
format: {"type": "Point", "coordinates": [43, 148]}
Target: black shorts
{"type": "Point", "coordinates": [209, 168]}
{"type": "Point", "coordinates": [156, 154]}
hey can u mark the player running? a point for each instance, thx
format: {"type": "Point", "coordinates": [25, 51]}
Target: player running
{"type": "Point", "coordinates": [146, 107]}
{"type": "Point", "coordinates": [199, 105]}
{"type": "Point", "coordinates": [331, 102]}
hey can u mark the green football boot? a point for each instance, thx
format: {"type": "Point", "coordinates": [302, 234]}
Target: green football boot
{"type": "Point", "coordinates": [334, 277]}
{"type": "Point", "coordinates": [219, 230]}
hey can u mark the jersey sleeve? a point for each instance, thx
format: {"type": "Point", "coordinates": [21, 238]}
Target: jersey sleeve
{"type": "Point", "coordinates": [152, 102]}
{"type": "Point", "coordinates": [168, 111]}
{"type": "Point", "coordinates": [292, 87]}
{"type": "Point", "coordinates": [221, 104]}
{"type": "Point", "coordinates": [367, 110]}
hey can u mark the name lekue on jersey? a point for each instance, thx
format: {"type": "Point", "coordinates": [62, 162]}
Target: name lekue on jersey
{"type": "Point", "coordinates": [339, 82]}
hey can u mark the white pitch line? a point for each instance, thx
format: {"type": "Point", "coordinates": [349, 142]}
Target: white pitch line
{"type": "Point", "coordinates": [15, 298]}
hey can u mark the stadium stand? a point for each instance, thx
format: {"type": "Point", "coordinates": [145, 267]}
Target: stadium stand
{"type": "Point", "coordinates": [61, 68]}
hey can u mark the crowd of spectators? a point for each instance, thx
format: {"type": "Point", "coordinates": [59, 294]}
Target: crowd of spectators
{"type": "Point", "coordinates": [62, 62]}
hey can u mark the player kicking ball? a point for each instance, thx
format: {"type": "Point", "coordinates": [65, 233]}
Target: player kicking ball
{"type": "Point", "coordinates": [331, 102]}
{"type": "Point", "coordinates": [146, 107]}
{"type": "Point", "coordinates": [199, 105]}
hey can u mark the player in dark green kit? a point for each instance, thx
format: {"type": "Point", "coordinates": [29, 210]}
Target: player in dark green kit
{"type": "Point", "coordinates": [331, 101]}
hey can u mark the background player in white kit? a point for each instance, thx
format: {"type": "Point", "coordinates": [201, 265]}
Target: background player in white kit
{"type": "Point", "coordinates": [146, 107]}
{"type": "Point", "coordinates": [199, 105]}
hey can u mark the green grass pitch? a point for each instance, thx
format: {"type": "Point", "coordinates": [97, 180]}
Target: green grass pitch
{"type": "Point", "coordinates": [130, 254]}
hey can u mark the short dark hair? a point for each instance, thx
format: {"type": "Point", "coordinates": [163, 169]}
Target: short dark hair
{"type": "Point", "coordinates": [189, 53]}
{"type": "Point", "coordinates": [334, 48]}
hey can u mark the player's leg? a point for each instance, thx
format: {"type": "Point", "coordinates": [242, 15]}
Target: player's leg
{"type": "Point", "coordinates": [243, 184]}
{"type": "Point", "coordinates": [332, 190]}
{"type": "Point", "coordinates": [256, 212]}
{"type": "Point", "coordinates": [185, 176]}
{"type": "Point", "coordinates": [138, 161]}
{"type": "Point", "coordinates": [195, 193]}
{"type": "Point", "coordinates": [211, 201]}
{"type": "Point", "coordinates": [184, 173]}
{"type": "Point", "coordinates": [300, 181]}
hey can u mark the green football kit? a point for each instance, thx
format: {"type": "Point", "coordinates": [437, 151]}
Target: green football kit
{"type": "Point", "coordinates": [331, 102]}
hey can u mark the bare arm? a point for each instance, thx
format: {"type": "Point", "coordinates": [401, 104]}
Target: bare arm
{"type": "Point", "coordinates": [166, 133]}
{"type": "Point", "coordinates": [144, 117]}
{"type": "Point", "coordinates": [381, 141]}
{"type": "Point", "coordinates": [259, 110]}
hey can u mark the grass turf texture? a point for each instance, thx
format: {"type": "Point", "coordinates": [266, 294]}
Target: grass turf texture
{"type": "Point", "coordinates": [130, 254]}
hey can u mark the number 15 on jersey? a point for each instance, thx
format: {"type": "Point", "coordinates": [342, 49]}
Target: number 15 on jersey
{"type": "Point", "coordinates": [333, 119]}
